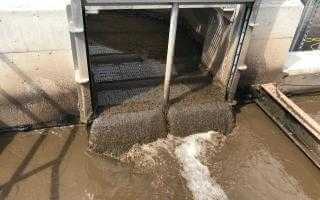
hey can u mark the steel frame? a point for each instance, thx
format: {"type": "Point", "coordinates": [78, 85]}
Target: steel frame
{"type": "Point", "coordinates": [79, 47]}
{"type": "Point", "coordinates": [137, 2]}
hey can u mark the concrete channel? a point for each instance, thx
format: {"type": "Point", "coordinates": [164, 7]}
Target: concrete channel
{"type": "Point", "coordinates": [256, 162]}
{"type": "Point", "coordinates": [151, 91]}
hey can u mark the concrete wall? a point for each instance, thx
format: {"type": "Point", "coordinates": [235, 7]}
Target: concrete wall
{"type": "Point", "coordinates": [37, 83]}
{"type": "Point", "coordinates": [36, 66]}
{"type": "Point", "coordinates": [276, 22]}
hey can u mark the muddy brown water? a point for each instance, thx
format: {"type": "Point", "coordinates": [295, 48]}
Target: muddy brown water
{"type": "Point", "coordinates": [309, 104]}
{"type": "Point", "coordinates": [257, 162]}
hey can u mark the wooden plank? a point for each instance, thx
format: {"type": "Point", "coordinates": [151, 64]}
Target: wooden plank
{"type": "Point", "coordinates": [283, 112]}
{"type": "Point", "coordinates": [293, 109]}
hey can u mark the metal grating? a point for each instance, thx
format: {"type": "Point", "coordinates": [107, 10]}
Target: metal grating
{"type": "Point", "coordinates": [97, 49]}
{"type": "Point", "coordinates": [153, 94]}
{"type": "Point", "coordinates": [127, 71]}
{"type": "Point", "coordinates": [116, 97]}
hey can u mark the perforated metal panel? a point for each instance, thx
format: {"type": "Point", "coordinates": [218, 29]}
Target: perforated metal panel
{"type": "Point", "coordinates": [307, 36]}
{"type": "Point", "coordinates": [127, 71]}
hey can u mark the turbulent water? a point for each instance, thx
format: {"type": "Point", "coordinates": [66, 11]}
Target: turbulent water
{"type": "Point", "coordinates": [183, 157]}
{"type": "Point", "coordinates": [256, 162]}
{"type": "Point", "coordinates": [199, 181]}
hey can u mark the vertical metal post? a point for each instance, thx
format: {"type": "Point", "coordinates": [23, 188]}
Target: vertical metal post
{"type": "Point", "coordinates": [77, 27]}
{"type": "Point", "coordinates": [243, 19]}
{"type": "Point", "coordinates": [79, 51]}
{"type": "Point", "coordinates": [170, 52]}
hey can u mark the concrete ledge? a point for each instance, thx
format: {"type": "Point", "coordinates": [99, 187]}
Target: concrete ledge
{"type": "Point", "coordinates": [186, 120]}
{"type": "Point", "coordinates": [303, 62]}
{"type": "Point", "coordinates": [300, 84]}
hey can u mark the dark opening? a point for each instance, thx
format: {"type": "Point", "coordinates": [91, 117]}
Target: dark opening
{"type": "Point", "coordinates": [127, 56]}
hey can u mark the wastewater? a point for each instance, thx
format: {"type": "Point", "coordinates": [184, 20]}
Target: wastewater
{"type": "Point", "coordinates": [257, 161]}
{"type": "Point", "coordinates": [309, 104]}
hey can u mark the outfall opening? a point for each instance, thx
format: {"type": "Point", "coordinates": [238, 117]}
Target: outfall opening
{"type": "Point", "coordinates": [127, 62]}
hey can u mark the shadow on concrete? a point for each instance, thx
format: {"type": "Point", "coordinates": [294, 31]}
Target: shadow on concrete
{"type": "Point", "coordinates": [31, 83]}
{"type": "Point", "coordinates": [42, 95]}
{"type": "Point", "coordinates": [18, 175]}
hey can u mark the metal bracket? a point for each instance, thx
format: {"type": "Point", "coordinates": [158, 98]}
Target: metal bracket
{"type": "Point", "coordinates": [79, 79]}
{"type": "Point", "coordinates": [92, 12]}
{"type": "Point", "coordinates": [252, 25]}
{"type": "Point", "coordinates": [74, 29]}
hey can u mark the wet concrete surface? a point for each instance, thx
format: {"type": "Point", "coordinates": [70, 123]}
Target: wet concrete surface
{"type": "Point", "coordinates": [256, 162]}
{"type": "Point", "coordinates": [34, 95]}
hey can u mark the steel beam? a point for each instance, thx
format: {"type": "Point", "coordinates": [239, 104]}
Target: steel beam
{"type": "Point", "coordinates": [127, 7]}
{"type": "Point", "coordinates": [93, 7]}
{"type": "Point", "coordinates": [132, 2]}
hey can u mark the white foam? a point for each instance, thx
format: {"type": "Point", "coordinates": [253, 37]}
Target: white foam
{"type": "Point", "coordinates": [202, 186]}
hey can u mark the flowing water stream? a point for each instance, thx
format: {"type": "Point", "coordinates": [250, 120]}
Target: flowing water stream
{"type": "Point", "coordinates": [256, 162]}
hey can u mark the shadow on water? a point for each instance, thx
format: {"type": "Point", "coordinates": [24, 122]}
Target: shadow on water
{"type": "Point", "coordinates": [6, 188]}
{"type": "Point", "coordinates": [5, 140]}
{"type": "Point", "coordinates": [18, 175]}
{"type": "Point", "coordinates": [56, 166]}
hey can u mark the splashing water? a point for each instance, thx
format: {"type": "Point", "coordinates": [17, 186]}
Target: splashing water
{"type": "Point", "coordinates": [202, 186]}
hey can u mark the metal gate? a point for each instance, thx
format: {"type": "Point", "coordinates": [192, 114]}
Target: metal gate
{"type": "Point", "coordinates": [79, 8]}
{"type": "Point", "coordinates": [307, 36]}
